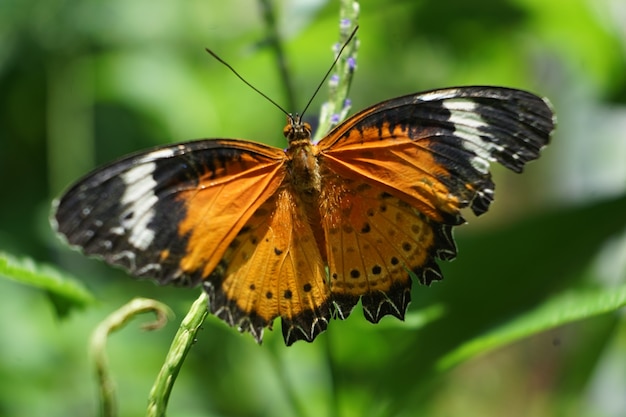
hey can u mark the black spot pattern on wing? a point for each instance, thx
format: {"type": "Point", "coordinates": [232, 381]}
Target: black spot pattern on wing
{"type": "Point", "coordinates": [227, 310]}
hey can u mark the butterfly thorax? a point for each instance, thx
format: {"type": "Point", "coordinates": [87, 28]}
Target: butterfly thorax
{"type": "Point", "coordinates": [302, 154]}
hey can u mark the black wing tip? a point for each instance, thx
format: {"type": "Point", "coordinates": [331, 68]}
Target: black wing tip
{"type": "Point", "coordinates": [393, 302]}
{"type": "Point", "coordinates": [306, 325]}
{"type": "Point", "coordinates": [225, 309]}
{"type": "Point", "coordinates": [539, 108]}
{"type": "Point", "coordinates": [515, 126]}
{"type": "Point", "coordinates": [343, 304]}
{"type": "Point", "coordinates": [56, 224]}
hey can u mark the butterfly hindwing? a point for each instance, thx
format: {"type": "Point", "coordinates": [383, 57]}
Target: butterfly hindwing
{"type": "Point", "coordinates": [273, 268]}
{"type": "Point", "coordinates": [169, 213]}
{"type": "Point", "coordinates": [433, 149]}
{"type": "Point", "coordinates": [374, 241]}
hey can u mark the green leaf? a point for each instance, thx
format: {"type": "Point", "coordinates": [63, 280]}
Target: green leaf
{"type": "Point", "coordinates": [65, 291]}
{"type": "Point", "coordinates": [557, 311]}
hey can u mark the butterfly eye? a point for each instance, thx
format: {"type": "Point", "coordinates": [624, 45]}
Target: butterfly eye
{"type": "Point", "coordinates": [287, 130]}
{"type": "Point", "coordinates": [296, 130]}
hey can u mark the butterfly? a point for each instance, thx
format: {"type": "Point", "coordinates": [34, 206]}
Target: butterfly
{"type": "Point", "coordinates": [304, 233]}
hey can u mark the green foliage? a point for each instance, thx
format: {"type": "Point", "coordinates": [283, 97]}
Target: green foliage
{"type": "Point", "coordinates": [529, 320]}
{"type": "Point", "coordinates": [556, 311]}
{"type": "Point", "coordinates": [66, 292]}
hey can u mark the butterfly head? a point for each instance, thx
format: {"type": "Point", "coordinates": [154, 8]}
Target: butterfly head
{"type": "Point", "coordinates": [296, 130]}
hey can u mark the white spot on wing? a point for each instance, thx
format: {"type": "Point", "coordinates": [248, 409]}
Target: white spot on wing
{"type": "Point", "coordinates": [128, 256]}
{"type": "Point", "coordinates": [158, 154]}
{"type": "Point", "coordinates": [139, 199]}
{"type": "Point", "coordinates": [148, 269]}
{"type": "Point", "coordinates": [468, 123]}
{"type": "Point", "coordinates": [439, 95]}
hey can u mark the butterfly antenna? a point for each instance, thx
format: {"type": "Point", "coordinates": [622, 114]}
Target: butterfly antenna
{"type": "Point", "coordinates": [214, 55]}
{"type": "Point", "coordinates": [330, 70]}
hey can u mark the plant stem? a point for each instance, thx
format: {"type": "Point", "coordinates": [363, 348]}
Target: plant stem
{"type": "Point", "coordinates": [183, 340]}
{"type": "Point", "coordinates": [336, 108]}
{"type": "Point", "coordinates": [97, 348]}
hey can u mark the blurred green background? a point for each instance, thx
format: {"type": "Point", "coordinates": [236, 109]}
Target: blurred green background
{"type": "Point", "coordinates": [85, 81]}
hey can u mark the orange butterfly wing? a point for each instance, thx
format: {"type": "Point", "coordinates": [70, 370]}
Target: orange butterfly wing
{"type": "Point", "coordinates": [373, 240]}
{"type": "Point", "coordinates": [273, 268]}
{"type": "Point", "coordinates": [170, 213]}
{"type": "Point", "coordinates": [433, 149]}
{"type": "Point", "coordinates": [396, 175]}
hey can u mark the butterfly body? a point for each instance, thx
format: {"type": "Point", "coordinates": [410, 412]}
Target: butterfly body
{"type": "Point", "coordinates": [302, 158]}
{"type": "Point", "coordinates": [305, 233]}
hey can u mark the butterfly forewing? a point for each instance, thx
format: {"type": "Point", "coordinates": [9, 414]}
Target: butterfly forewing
{"type": "Point", "coordinates": [170, 213]}
{"type": "Point", "coordinates": [433, 149]}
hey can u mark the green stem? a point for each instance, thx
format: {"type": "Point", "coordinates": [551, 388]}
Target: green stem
{"type": "Point", "coordinates": [114, 322]}
{"type": "Point", "coordinates": [336, 108]}
{"type": "Point", "coordinates": [183, 340]}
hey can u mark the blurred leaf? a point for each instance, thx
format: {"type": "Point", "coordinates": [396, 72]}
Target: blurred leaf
{"type": "Point", "coordinates": [65, 291]}
{"type": "Point", "coordinates": [591, 51]}
{"type": "Point", "coordinates": [557, 311]}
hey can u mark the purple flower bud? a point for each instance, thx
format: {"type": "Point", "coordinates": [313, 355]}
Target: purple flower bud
{"type": "Point", "coordinates": [351, 63]}
{"type": "Point", "coordinates": [345, 24]}
{"type": "Point", "coordinates": [334, 119]}
{"type": "Point", "coordinates": [334, 80]}
{"type": "Point", "coordinates": [347, 103]}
